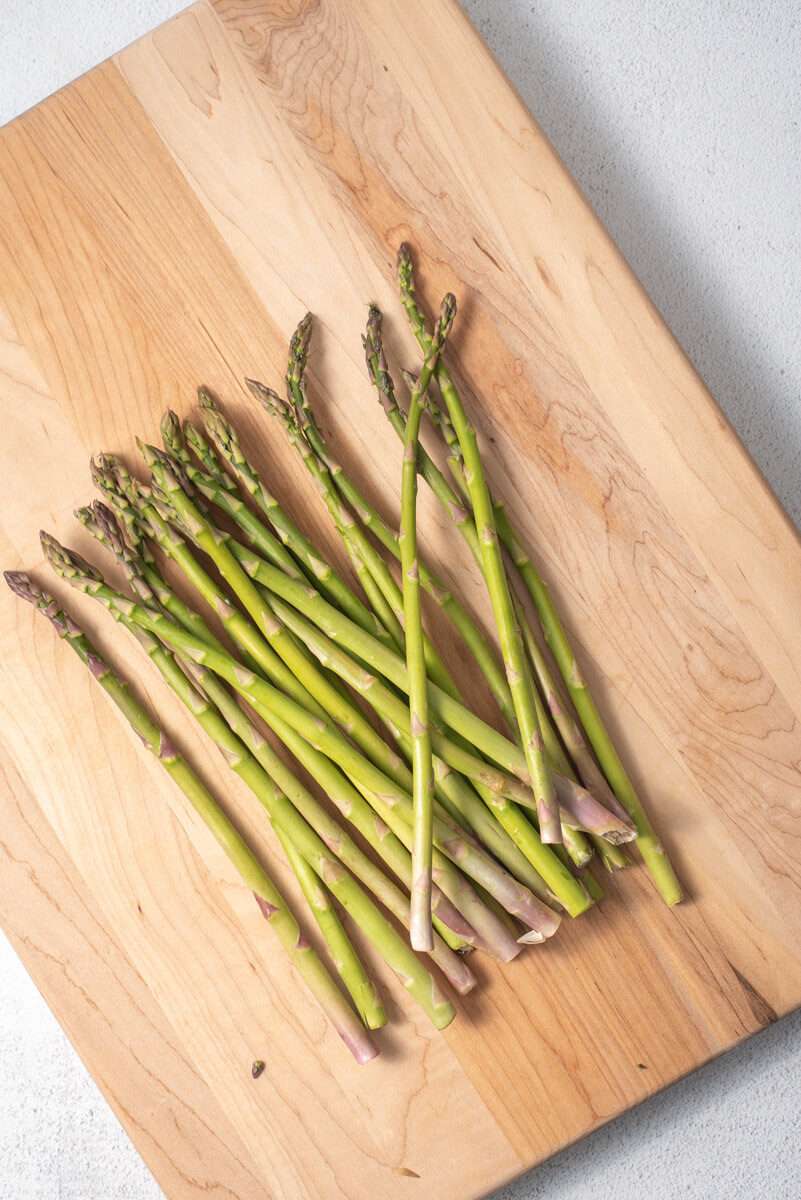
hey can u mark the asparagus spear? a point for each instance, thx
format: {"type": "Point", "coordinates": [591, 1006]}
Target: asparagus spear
{"type": "Point", "coordinates": [568, 890]}
{"type": "Point", "coordinates": [224, 438]}
{"type": "Point", "coordinates": [579, 849]}
{"type": "Point", "coordinates": [307, 675]}
{"type": "Point", "coordinates": [349, 967]}
{"type": "Point", "coordinates": [556, 711]}
{"type": "Point", "coordinates": [652, 850]}
{"type": "Point", "coordinates": [343, 518]}
{"type": "Point", "coordinates": [270, 901]}
{"type": "Point", "coordinates": [322, 735]}
{"type": "Point", "coordinates": [422, 761]}
{"type": "Point", "coordinates": [364, 912]}
{"type": "Point", "coordinates": [472, 636]}
{"type": "Point", "coordinates": [447, 710]}
{"type": "Point", "coordinates": [512, 650]}
{"type": "Point", "coordinates": [102, 525]}
{"type": "Point", "coordinates": [613, 858]}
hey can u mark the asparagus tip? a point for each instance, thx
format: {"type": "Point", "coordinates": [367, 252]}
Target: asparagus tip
{"type": "Point", "coordinates": [22, 585]}
{"type": "Point", "coordinates": [446, 314]}
{"type": "Point", "coordinates": [206, 399]}
{"type": "Point", "coordinates": [404, 259]}
{"type": "Point", "coordinates": [269, 399]}
{"type": "Point", "coordinates": [109, 526]}
{"type": "Point", "coordinates": [170, 425]}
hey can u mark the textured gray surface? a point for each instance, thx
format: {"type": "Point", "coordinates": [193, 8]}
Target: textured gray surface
{"type": "Point", "coordinates": [680, 120]}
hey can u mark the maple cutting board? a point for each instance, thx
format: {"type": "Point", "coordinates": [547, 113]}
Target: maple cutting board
{"type": "Point", "coordinates": [166, 220]}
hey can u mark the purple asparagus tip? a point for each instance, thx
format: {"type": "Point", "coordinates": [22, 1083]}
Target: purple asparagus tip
{"type": "Point", "coordinates": [23, 586]}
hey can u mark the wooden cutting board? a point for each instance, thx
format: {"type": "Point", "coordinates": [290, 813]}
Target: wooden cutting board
{"type": "Point", "coordinates": [166, 220]}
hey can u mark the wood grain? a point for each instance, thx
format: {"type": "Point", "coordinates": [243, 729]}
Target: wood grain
{"type": "Point", "coordinates": [166, 220]}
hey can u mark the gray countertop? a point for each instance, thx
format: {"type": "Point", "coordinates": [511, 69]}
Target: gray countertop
{"type": "Point", "coordinates": [681, 121]}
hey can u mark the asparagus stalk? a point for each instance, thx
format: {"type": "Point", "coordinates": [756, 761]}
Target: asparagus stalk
{"type": "Point", "coordinates": [349, 967]}
{"type": "Point", "coordinates": [453, 928]}
{"type": "Point", "coordinates": [576, 844]}
{"type": "Point", "coordinates": [332, 835]}
{"type": "Point", "coordinates": [226, 442]}
{"type": "Point", "coordinates": [422, 759]}
{"type": "Point", "coordinates": [569, 891]}
{"type": "Point", "coordinates": [652, 850]}
{"type": "Point", "coordinates": [613, 858]}
{"type": "Point", "coordinates": [322, 734]}
{"type": "Point", "coordinates": [309, 686]}
{"type": "Point", "coordinates": [364, 912]}
{"type": "Point", "coordinates": [250, 756]}
{"type": "Point", "coordinates": [270, 901]}
{"type": "Point", "coordinates": [648, 843]}
{"type": "Point", "coordinates": [441, 420]}
{"type": "Point", "coordinates": [512, 650]}
{"type": "Point", "coordinates": [379, 583]}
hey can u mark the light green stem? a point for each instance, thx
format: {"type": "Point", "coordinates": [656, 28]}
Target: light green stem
{"type": "Point", "coordinates": [270, 901]}
{"type": "Point", "coordinates": [362, 990]}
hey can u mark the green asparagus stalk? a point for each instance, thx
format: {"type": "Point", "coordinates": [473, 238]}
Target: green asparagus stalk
{"type": "Point", "coordinates": [613, 858]}
{"type": "Point", "coordinates": [441, 420]}
{"type": "Point", "coordinates": [652, 850]}
{"type": "Point", "coordinates": [349, 967]}
{"type": "Point", "coordinates": [422, 757]}
{"type": "Point", "coordinates": [102, 525]}
{"type": "Point", "coordinates": [512, 651]}
{"type": "Point", "coordinates": [472, 636]}
{"type": "Point", "coordinates": [648, 843]}
{"type": "Point", "coordinates": [364, 912]}
{"type": "Point", "coordinates": [323, 736]}
{"type": "Point", "coordinates": [270, 901]}
{"type": "Point", "coordinates": [338, 628]}
{"type": "Point", "coordinates": [203, 452]}
{"type": "Point", "coordinates": [388, 601]}
{"type": "Point", "coordinates": [226, 442]}
{"type": "Point", "coordinates": [309, 686]}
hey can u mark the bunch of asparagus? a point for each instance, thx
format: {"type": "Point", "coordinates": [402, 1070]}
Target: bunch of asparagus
{"type": "Point", "coordinates": [483, 832]}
